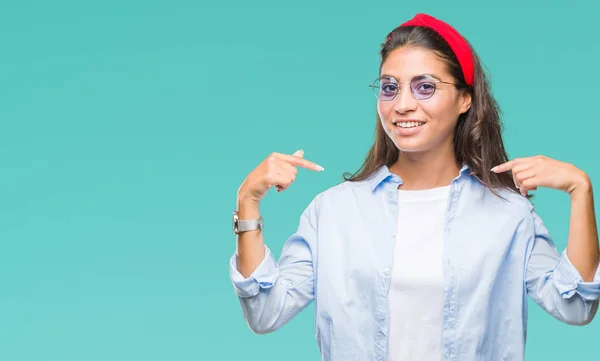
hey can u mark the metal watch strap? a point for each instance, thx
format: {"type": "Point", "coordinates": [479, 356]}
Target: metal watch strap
{"type": "Point", "coordinates": [244, 225]}
{"type": "Point", "coordinates": [248, 224]}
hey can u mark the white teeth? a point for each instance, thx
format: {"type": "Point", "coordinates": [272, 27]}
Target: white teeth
{"type": "Point", "coordinates": [408, 124]}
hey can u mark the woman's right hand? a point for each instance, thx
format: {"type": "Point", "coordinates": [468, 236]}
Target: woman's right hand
{"type": "Point", "coordinates": [278, 170]}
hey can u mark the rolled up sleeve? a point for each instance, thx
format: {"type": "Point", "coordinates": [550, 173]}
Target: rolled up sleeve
{"type": "Point", "coordinates": [554, 283]}
{"type": "Point", "coordinates": [569, 282]}
{"type": "Point", "coordinates": [264, 276]}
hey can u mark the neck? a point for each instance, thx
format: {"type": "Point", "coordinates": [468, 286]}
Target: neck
{"type": "Point", "coordinates": [425, 170]}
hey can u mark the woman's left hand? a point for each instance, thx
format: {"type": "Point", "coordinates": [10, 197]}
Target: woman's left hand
{"type": "Point", "coordinates": [540, 171]}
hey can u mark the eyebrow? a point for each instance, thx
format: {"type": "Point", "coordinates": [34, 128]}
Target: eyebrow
{"type": "Point", "coordinates": [426, 74]}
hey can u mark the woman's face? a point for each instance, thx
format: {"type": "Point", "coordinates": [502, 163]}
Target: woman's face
{"type": "Point", "coordinates": [427, 123]}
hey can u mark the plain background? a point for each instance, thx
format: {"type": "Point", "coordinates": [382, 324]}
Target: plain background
{"type": "Point", "coordinates": [126, 128]}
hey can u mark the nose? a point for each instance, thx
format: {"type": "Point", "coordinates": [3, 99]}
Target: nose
{"type": "Point", "coordinates": [405, 100]}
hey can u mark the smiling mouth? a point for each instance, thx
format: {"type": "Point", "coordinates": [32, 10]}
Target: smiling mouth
{"type": "Point", "coordinates": [408, 124]}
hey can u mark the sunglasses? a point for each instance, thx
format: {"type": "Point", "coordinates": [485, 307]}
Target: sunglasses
{"type": "Point", "coordinates": [421, 86]}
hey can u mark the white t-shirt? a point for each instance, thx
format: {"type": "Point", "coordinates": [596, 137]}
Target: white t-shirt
{"type": "Point", "coordinates": [416, 290]}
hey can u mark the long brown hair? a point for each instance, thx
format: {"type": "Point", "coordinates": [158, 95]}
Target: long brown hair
{"type": "Point", "coordinates": [478, 134]}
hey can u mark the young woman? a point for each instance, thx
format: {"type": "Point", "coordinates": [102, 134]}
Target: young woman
{"type": "Point", "coordinates": [430, 250]}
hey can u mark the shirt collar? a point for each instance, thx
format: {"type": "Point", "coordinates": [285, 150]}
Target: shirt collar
{"type": "Point", "coordinates": [383, 174]}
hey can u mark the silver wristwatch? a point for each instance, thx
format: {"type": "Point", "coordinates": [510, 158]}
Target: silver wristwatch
{"type": "Point", "coordinates": [243, 225]}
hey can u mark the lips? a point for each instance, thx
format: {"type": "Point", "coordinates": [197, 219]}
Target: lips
{"type": "Point", "coordinates": [407, 127]}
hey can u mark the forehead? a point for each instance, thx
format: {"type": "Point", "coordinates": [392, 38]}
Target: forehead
{"type": "Point", "coordinates": [406, 62]}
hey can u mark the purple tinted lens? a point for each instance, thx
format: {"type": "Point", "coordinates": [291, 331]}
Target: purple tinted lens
{"type": "Point", "coordinates": [387, 89]}
{"type": "Point", "coordinates": [422, 89]}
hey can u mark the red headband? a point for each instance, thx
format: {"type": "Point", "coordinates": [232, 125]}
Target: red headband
{"type": "Point", "coordinates": [457, 43]}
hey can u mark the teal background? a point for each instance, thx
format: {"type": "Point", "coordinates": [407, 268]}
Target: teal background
{"type": "Point", "coordinates": [127, 126]}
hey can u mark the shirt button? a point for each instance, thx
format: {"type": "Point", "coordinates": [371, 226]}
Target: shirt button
{"type": "Point", "coordinates": [386, 271]}
{"type": "Point", "coordinates": [381, 316]}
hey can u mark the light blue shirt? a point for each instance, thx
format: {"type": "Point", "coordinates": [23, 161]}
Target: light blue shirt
{"type": "Point", "coordinates": [496, 253]}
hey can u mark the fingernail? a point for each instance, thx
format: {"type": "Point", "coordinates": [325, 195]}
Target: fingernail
{"type": "Point", "coordinates": [319, 168]}
{"type": "Point", "coordinates": [494, 169]}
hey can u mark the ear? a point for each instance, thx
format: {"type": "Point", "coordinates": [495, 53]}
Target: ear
{"type": "Point", "coordinates": [464, 102]}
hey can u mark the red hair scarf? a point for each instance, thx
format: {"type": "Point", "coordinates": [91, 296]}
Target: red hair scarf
{"type": "Point", "coordinates": [457, 43]}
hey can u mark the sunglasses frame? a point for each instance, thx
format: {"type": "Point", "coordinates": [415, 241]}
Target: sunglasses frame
{"type": "Point", "coordinates": [429, 79]}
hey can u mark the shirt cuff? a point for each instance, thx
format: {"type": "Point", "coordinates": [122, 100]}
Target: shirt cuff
{"type": "Point", "coordinates": [568, 280]}
{"type": "Point", "coordinates": [264, 276]}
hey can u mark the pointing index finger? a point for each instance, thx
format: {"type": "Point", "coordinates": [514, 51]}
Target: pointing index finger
{"type": "Point", "coordinates": [301, 162]}
{"type": "Point", "coordinates": [505, 166]}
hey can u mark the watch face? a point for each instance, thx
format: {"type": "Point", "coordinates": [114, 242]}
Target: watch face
{"type": "Point", "coordinates": [235, 223]}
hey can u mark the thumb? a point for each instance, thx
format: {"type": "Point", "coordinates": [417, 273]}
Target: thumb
{"type": "Point", "coordinates": [299, 153]}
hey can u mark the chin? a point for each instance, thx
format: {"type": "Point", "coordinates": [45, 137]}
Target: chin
{"type": "Point", "coordinates": [409, 145]}
{"type": "Point", "coordinates": [408, 149]}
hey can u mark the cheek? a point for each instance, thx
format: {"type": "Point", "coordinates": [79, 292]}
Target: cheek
{"type": "Point", "coordinates": [443, 114]}
{"type": "Point", "coordinates": [383, 110]}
